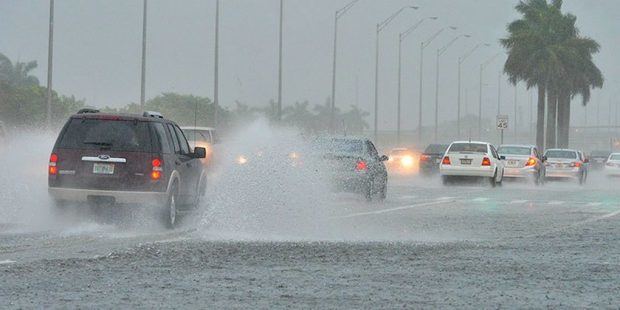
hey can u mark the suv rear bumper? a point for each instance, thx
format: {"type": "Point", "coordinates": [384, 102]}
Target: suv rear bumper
{"type": "Point", "coordinates": [119, 197]}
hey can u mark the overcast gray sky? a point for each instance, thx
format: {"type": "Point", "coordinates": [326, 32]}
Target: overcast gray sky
{"type": "Point", "coordinates": [98, 44]}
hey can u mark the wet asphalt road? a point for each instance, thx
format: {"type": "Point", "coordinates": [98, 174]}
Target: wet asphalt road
{"type": "Point", "coordinates": [427, 246]}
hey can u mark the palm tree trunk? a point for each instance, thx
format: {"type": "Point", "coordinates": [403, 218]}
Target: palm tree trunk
{"type": "Point", "coordinates": [552, 103]}
{"type": "Point", "coordinates": [540, 119]}
{"type": "Point", "coordinates": [563, 120]}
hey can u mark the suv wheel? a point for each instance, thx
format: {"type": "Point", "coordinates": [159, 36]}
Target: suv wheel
{"type": "Point", "coordinates": [170, 211]}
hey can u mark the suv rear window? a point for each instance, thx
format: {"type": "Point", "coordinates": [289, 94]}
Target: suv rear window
{"type": "Point", "coordinates": [115, 135]}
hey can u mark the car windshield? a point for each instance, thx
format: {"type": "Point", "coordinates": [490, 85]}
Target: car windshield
{"type": "Point", "coordinates": [614, 157]}
{"type": "Point", "coordinates": [115, 135]}
{"type": "Point", "coordinates": [514, 150]}
{"type": "Point", "coordinates": [468, 148]}
{"type": "Point", "coordinates": [436, 149]}
{"type": "Point", "coordinates": [562, 154]}
{"type": "Point", "coordinates": [197, 135]}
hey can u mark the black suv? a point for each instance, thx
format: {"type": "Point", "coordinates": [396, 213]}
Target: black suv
{"type": "Point", "coordinates": [126, 159]}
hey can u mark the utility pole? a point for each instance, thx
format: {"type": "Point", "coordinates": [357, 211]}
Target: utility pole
{"type": "Point", "coordinates": [50, 52]}
{"type": "Point", "coordinates": [279, 112]}
{"type": "Point", "coordinates": [143, 72]}
{"type": "Point", "coordinates": [216, 100]}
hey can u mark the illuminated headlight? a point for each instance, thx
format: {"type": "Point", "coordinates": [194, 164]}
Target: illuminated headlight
{"type": "Point", "coordinates": [293, 155]}
{"type": "Point", "coordinates": [407, 161]}
{"type": "Point", "coordinates": [242, 160]}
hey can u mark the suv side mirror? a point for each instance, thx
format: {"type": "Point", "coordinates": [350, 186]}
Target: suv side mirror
{"type": "Point", "coordinates": [200, 152]}
{"type": "Point", "coordinates": [384, 158]}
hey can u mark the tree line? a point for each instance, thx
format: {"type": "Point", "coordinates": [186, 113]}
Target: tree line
{"type": "Point", "coordinates": [23, 104]}
{"type": "Point", "coordinates": [546, 51]}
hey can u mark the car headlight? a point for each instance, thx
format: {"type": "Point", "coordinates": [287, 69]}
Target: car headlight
{"type": "Point", "coordinates": [407, 161]}
{"type": "Point", "coordinates": [242, 160]}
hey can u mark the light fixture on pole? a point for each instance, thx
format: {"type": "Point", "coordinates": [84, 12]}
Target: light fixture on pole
{"type": "Point", "coordinates": [380, 27]}
{"type": "Point", "coordinates": [440, 52]}
{"type": "Point", "coordinates": [458, 100]}
{"type": "Point", "coordinates": [482, 66]}
{"type": "Point", "coordinates": [339, 13]}
{"type": "Point", "coordinates": [401, 37]}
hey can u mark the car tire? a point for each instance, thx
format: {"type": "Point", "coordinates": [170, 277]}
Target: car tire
{"type": "Point", "coordinates": [202, 191]}
{"type": "Point", "coordinates": [170, 211]}
{"type": "Point", "coordinates": [494, 180]}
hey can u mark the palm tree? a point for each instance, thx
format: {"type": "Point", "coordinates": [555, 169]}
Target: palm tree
{"type": "Point", "coordinates": [17, 74]}
{"type": "Point", "coordinates": [545, 50]}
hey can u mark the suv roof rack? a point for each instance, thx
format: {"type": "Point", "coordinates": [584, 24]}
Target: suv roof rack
{"type": "Point", "coordinates": [152, 114]}
{"type": "Point", "coordinates": [88, 110]}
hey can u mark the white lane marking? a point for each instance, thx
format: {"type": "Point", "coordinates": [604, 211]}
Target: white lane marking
{"type": "Point", "coordinates": [446, 198]}
{"type": "Point", "coordinates": [480, 199]}
{"type": "Point", "coordinates": [6, 262]}
{"type": "Point", "coordinates": [594, 204]}
{"type": "Point", "coordinates": [424, 204]}
{"type": "Point", "coordinates": [518, 202]}
{"type": "Point", "coordinates": [555, 202]}
{"type": "Point", "coordinates": [584, 222]}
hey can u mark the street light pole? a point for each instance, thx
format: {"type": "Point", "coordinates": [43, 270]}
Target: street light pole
{"type": "Point", "coordinates": [380, 27]}
{"type": "Point", "coordinates": [339, 13]}
{"type": "Point", "coordinates": [460, 62]}
{"type": "Point", "coordinates": [482, 65]}
{"type": "Point", "coordinates": [50, 52]}
{"type": "Point", "coordinates": [440, 52]}
{"type": "Point", "coordinates": [401, 38]}
{"type": "Point", "coordinates": [279, 112]}
{"type": "Point", "coordinates": [216, 75]}
{"type": "Point", "coordinates": [423, 45]}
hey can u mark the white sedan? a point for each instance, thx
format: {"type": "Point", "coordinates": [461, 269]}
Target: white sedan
{"type": "Point", "coordinates": [472, 159]}
{"type": "Point", "coordinates": [612, 165]}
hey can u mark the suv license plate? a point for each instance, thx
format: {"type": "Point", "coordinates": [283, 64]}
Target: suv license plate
{"type": "Point", "coordinates": [466, 161]}
{"type": "Point", "coordinates": [103, 168]}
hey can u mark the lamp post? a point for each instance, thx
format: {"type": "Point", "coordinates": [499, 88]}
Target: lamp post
{"type": "Point", "coordinates": [50, 52]}
{"type": "Point", "coordinates": [380, 27]}
{"type": "Point", "coordinates": [216, 100]}
{"type": "Point", "coordinates": [458, 100]}
{"type": "Point", "coordinates": [279, 106]}
{"type": "Point", "coordinates": [401, 37]}
{"type": "Point", "coordinates": [482, 66]}
{"type": "Point", "coordinates": [440, 52]}
{"type": "Point", "coordinates": [423, 45]}
{"type": "Point", "coordinates": [339, 13]}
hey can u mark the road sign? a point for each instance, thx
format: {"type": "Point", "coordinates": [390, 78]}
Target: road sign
{"type": "Point", "coordinates": [502, 122]}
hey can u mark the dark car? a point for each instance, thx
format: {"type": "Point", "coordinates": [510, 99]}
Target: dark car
{"type": "Point", "coordinates": [356, 166]}
{"type": "Point", "coordinates": [598, 159]}
{"type": "Point", "coordinates": [123, 159]}
{"type": "Point", "coordinates": [431, 158]}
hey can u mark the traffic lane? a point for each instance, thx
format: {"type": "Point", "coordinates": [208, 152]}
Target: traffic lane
{"type": "Point", "coordinates": [575, 268]}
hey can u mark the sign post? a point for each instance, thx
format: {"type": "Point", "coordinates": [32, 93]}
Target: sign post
{"type": "Point", "coordinates": [502, 124]}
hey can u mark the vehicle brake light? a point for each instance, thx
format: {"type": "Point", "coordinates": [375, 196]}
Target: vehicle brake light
{"type": "Point", "coordinates": [157, 169]}
{"type": "Point", "coordinates": [531, 162]}
{"type": "Point", "coordinates": [445, 160]}
{"type": "Point", "coordinates": [486, 161]}
{"type": "Point", "coordinates": [53, 169]}
{"type": "Point", "coordinates": [361, 166]}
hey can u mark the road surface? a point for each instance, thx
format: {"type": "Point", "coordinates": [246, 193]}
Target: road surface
{"type": "Point", "coordinates": [426, 246]}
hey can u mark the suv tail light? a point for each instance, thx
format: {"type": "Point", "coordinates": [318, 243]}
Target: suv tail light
{"type": "Point", "coordinates": [157, 169]}
{"type": "Point", "coordinates": [576, 164]}
{"type": "Point", "coordinates": [361, 166]}
{"type": "Point", "coordinates": [530, 162]}
{"type": "Point", "coordinates": [486, 161]}
{"type": "Point", "coordinates": [52, 168]}
{"type": "Point", "coordinates": [445, 160]}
